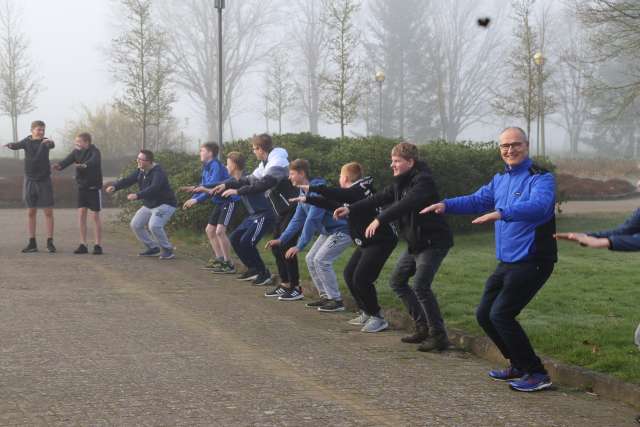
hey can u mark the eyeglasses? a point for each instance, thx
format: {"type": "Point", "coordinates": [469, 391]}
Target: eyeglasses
{"type": "Point", "coordinates": [517, 145]}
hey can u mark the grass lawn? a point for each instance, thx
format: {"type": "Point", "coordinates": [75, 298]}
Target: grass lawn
{"type": "Point", "coordinates": [585, 315]}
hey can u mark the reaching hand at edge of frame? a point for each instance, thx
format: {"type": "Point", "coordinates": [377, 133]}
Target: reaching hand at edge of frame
{"type": "Point", "coordinates": [585, 240]}
{"type": "Point", "coordinates": [341, 212]}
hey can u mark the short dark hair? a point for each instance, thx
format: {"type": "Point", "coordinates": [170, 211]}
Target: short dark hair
{"type": "Point", "coordinates": [37, 124]}
{"type": "Point", "coordinates": [148, 155]}
{"type": "Point", "coordinates": [300, 165]}
{"type": "Point", "coordinates": [85, 136]}
{"type": "Point", "coordinates": [406, 150]}
{"type": "Point", "coordinates": [262, 141]}
{"type": "Point", "coordinates": [238, 158]}
{"type": "Point", "coordinates": [211, 147]}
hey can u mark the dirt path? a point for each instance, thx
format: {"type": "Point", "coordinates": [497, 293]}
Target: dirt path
{"type": "Point", "coordinates": [119, 340]}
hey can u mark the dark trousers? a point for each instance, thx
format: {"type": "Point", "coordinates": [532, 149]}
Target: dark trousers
{"type": "Point", "coordinates": [361, 272]}
{"type": "Point", "coordinates": [246, 237]}
{"type": "Point", "coordinates": [507, 291]}
{"type": "Point", "coordinates": [287, 268]}
{"type": "Point", "coordinates": [420, 300]}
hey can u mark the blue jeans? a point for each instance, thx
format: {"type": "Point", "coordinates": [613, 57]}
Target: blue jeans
{"type": "Point", "coordinates": [507, 291]}
{"type": "Point", "coordinates": [245, 238]}
{"type": "Point", "coordinates": [148, 226]}
{"type": "Point", "coordinates": [320, 258]}
{"type": "Point", "coordinates": [420, 300]}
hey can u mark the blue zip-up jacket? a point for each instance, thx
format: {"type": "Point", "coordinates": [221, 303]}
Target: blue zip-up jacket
{"type": "Point", "coordinates": [311, 220]}
{"type": "Point", "coordinates": [153, 187]}
{"type": "Point", "coordinates": [525, 197]}
{"type": "Point", "coordinates": [213, 173]}
{"type": "Point", "coordinates": [625, 237]}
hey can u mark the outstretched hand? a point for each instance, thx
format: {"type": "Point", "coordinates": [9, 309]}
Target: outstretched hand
{"type": "Point", "coordinates": [230, 192]}
{"type": "Point", "coordinates": [272, 243]}
{"type": "Point", "coordinates": [584, 240]}
{"type": "Point", "coordinates": [299, 199]}
{"type": "Point", "coordinates": [372, 228]}
{"type": "Point", "coordinates": [490, 217]}
{"type": "Point", "coordinates": [438, 208]}
{"type": "Point", "coordinates": [293, 251]}
{"type": "Point", "coordinates": [341, 212]}
{"type": "Point", "coordinates": [110, 189]}
{"type": "Point", "coordinates": [218, 189]}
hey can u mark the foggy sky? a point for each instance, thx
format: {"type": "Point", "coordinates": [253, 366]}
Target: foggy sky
{"type": "Point", "coordinates": [68, 44]}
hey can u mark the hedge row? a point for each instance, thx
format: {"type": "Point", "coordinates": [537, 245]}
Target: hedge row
{"type": "Point", "coordinates": [458, 168]}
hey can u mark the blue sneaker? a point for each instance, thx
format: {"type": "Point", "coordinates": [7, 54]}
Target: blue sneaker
{"type": "Point", "coordinates": [508, 374]}
{"type": "Point", "coordinates": [531, 382]}
{"type": "Point", "coordinates": [150, 252]}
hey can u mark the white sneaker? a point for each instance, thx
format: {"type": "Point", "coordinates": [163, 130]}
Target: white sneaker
{"type": "Point", "coordinates": [375, 324]}
{"type": "Point", "coordinates": [360, 320]}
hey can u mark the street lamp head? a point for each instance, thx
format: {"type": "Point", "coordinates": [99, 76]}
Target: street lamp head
{"type": "Point", "coordinates": [219, 4]}
{"type": "Point", "coordinates": [539, 58]}
{"type": "Point", "coordinates": [380, 76]}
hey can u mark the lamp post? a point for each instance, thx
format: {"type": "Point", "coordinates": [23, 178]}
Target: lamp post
{"type": "Point", "coordinates": [539, 59]}
{"type": "Point", "coordinates": [380, 79]}
{"type": "Point", "coordinates": [220, 4]}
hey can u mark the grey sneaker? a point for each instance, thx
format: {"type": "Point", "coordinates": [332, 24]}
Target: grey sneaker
{"type": "Point", "coordinates": [360, 320]}
{"type": "Point", "coordinates": [375, 324]}
{"type": "Point", "coordinates": [167, 254]}
{"type": "Point", "coordinates": [332, 305]}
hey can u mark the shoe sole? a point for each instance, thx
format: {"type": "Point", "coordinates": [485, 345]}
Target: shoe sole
{"type": "Point", "coordinates": [538, 388]}
{"type": "Point", "coordinates": [223, 272]}
{"type": "Point", "coordinates": [333, 310]}
{"type": "Point", "coordinates": [246, 279]}
{"type": "Point", "coordinates": [380, 329]}
{"type": "Point", "coordinates": [500, 380]}
{"type": "Point", "coordinates": [29, 252]}
{"type": "Point", "coordinates": [166, 258]}
{"type": "Point", "coordinates": [81, 253]}
{"type": "Point", "coordinates": [291, 299]}
{"type": "Point", "coordinates": [266, 282]}
{"type": "Point", "coordinates": [150, 255]}
{"type": "Point", "coordinates": [272, 296]}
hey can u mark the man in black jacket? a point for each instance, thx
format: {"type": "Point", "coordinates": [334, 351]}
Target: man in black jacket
{"type": "Point", "coordinates": [428, 239]}
{"type": "Point", "coordinates": [38, 188]}
{"type": "Point", "coordinates": [371, 253]}
{"type": "Point", "coordinates": [87, 160]}
{"type": "Point", "coordinates": [159, 204]}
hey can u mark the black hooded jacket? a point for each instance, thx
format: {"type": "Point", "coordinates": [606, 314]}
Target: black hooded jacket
{"type": "Point", "coordinates": [331, 198]}
{"type": "Point", "coordinates": [89, 176]}
{"type": "Point", "coordinates": [409, 193]}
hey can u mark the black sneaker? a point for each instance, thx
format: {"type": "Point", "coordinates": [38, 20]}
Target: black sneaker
{"type": "Point", "coordinates": [248, 275]}
{"type": "Point", "coordinates": [50, 247]}
{"type": "Point", "coordinates": [275, 292]}
{"type": "Point", "coordinates": [332, 305]}
{"type": "Point", "coordinates": [291, 295]}
{"type": "Point", "coordinates": [97, 250]}
{"type": "Point", "coordinates": [30, 248]}
{"type": "Point", "coordinates": [421, 334]}
{"type": "Point", "coordinates": [263, 279]}
{"type": "Point", "coordinates": [436, 342]}
{"type": "Point", "coordinates": [225, 267]}
{"type": "Point", "coordinates": [82, 249]}
{"type": "Point", "coordinates": [150, 252]}
{"type": "Point", "coordinates": [317, 303]}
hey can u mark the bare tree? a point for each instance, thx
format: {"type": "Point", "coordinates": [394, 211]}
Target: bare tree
{"type": "Point", "coordinates": [162, 94]}
{"type": "Point", "coordinates": [462, 60]}
{"type": "Point", "coordinates": [192, 26]}
{"type": "Point", "coordinates": [310, 36]}
{"type": "Point", "coordinates": [280, 93]}
{"type": "Point", "coordinates": [18, 83]}
{"type": "Point", "coordinates": [519, 96]}
{"type": "Point", "coordinates": [137, 65]}
{"type": "Point", "coordinates": [341, 84]}
{"type": "Point", "coordinates": [615, 36]}
{"type": "Point", "coordinates": [571, 84]}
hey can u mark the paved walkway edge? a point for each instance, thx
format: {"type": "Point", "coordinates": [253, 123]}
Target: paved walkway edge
{"type": "Point", "coordinates": [561, 373]}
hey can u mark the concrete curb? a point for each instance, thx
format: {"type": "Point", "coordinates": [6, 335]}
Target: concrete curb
{"type": "Point", "coordinates": [561, 373]}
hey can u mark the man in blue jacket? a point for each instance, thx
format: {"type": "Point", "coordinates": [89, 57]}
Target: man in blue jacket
{"type": "Point", "coordinates": [333, 240]}
{"type": "Point", "coordinates": [159, 204]}
{"type": "Point", "coordinates": [521, 202]}
{"type": "Point", "coordinates": [214, 173]}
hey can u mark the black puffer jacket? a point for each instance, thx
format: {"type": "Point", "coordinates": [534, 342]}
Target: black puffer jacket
{"type": "Point", "coordinates": [409, 193]}
{"type": "Point", "coordinates": [331, 198]}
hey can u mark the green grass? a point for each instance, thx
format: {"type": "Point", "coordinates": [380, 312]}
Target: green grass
{"type": "Point", "coordinates": [585, 315]}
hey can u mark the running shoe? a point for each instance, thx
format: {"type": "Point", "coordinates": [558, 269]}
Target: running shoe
{"type": "Point", "coordinates": [360, 320]}
{"type": "Point", "coordinates": [375, 324]}
{"type": "Point", "coordinates": [97, 250]}
{"type": "Point", "coordinates": [82, 249]}
{"type": "Point", "coordinates": [150, 252]}
{"type": "Point", "coordinates": [291, 295]}
{"type": "Point", "coordinates": [275, 292]}
{"type": "Point", "coordinates": [317, 303]}
{"type": "Point", "coordinates": [531, 382]}
{"type": "Point", "coordinates": [332, 305]}
{"type": "Point", "coordinates": [248, 275]}
{"type": "Point", "coordinates": [263, 279]}
{"type": "Point", "coordinates": [508, 374]}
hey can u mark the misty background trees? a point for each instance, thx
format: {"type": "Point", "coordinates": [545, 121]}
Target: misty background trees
{"type": "Point", "coordinates": [565, 70]}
